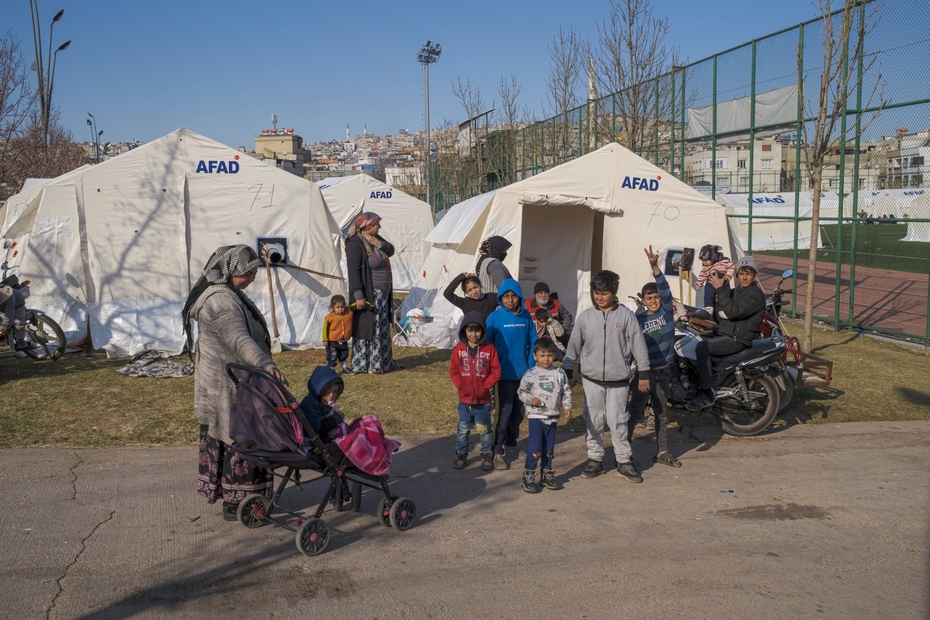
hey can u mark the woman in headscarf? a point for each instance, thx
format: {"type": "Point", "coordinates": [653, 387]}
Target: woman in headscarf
{"type": "Point", "coordinates": [229, 329]}
{"type": "Point", "coordinates": [368, 257]}
{"type": "Point", "coordinates": [490, 268]}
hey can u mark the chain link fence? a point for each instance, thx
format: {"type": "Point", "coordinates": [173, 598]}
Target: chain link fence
{"type": "Point", "coordinates": [735, 127]}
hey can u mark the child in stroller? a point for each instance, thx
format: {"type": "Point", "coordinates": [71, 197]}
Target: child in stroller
{"type": "Point", "coordinates": [269, 429]}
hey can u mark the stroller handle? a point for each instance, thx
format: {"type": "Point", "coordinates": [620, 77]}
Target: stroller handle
{"type": "Point", "coordinates": [231, 367]}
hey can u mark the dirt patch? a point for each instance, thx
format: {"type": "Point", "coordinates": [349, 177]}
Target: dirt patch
{"type": "Point", "coordinates": [776, 512]}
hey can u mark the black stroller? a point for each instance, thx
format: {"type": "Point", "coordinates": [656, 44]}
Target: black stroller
{"type": "Point", "coordinates": [270, 431]}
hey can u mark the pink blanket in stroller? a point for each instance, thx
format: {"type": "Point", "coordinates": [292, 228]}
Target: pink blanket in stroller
{"type": "Point", "coordinates": [367, 447]}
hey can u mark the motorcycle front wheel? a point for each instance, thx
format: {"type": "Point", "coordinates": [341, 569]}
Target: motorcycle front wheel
{"type": "Point", "coordinates": [745, 419]}
{"type": "Point", "coordinates": [44, 339]}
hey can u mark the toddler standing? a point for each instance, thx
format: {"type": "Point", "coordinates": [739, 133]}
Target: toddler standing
{"type": "Point", "coordinates": [544, 390]}
{"type": "Point", "coordinates": [337, 329]}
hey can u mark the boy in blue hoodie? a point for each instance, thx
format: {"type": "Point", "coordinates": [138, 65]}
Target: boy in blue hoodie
{"type": "Point", "coordinates": [511, 330]}
{"type": "Point", "coordinates": [319, 406]}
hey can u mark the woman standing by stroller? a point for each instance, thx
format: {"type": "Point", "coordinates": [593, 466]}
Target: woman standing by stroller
{"type": "Point", "coordinates": [368, 258]}
{"type": "Point", "coordinates": [230, 329]}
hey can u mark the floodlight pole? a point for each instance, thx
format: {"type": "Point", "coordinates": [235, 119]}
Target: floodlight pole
{"type": "Point", "coordinates": [428, 54]}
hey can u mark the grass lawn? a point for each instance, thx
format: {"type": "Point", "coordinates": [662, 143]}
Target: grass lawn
{"type": "Point", "coordinates": [877, 246]}
{"type": "Point", "coordinates": [84, 402]}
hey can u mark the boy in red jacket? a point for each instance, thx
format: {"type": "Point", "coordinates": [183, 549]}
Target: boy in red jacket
{"type": "Point", "coordinates": [475, 370]}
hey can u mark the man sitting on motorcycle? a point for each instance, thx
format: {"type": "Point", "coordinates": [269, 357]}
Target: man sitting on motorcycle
{"type": "Point", "coordinates": [740, 311]}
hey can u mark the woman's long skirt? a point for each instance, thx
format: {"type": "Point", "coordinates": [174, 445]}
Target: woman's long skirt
{"type": "Point", "coordinates": [376, 355]}
{"type": "Point", "coordinates": [225, 475]}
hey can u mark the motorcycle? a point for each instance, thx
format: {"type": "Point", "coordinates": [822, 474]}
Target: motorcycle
{"type": "Point", "coordinates": [747, 395]}
{"type": "Point", "coordinates": [39, 337]}
{"type": "Point", "coordinates": [784, 375]}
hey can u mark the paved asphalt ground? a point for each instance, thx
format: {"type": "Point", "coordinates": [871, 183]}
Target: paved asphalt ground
{"type": "Point", "coordinates": [826, 521]}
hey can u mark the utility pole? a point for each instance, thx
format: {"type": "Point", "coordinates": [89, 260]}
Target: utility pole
{"type": "Point", "coordinates": [427, 55]}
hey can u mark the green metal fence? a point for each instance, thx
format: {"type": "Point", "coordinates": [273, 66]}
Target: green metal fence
{"type": "Point", "coordinates": [733, 126]}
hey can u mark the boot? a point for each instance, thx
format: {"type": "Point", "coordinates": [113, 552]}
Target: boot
{"type": "Point", "coordinates": [460, 460]}
{"type": "Point", "coordinates": [487, 461]}
{"type": "Point", "coordinates": [548, 480]}
{"type": "Point", "coordinates": [529, 481]}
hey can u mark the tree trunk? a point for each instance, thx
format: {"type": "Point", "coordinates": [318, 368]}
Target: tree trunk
{"type": "Point", "coordinates": [808, 343]}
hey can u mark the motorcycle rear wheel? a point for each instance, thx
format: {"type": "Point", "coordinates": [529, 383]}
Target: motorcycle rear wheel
{"type": "Point", "coordinates": [747, 419]}
{"type": "Point", "coordinates": [786, 395]}
{"type": "Point", "coordinates": [50, 336]}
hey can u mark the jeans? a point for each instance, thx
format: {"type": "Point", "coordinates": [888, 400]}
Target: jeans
{"type": "Point", "coordinates": [509, 415]}
{"type": "Point", "coordinates": [336, 351]}
{"type": "Point", "coordinates": [605, 405]}
{"type": "Point", "coordinates": [658, 390]}
{"type": "Point", "coordinates": [12, 308]}
{"type": "Point", "coordinates": [541, 444]}
{"type": "Point", "coordinates": [716, 345]}
{"type": "Point", "coordinates": [477, 417]}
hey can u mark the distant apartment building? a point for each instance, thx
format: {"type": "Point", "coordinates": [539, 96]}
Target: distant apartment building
{"type": "Point", "coordinates": [284, 149]}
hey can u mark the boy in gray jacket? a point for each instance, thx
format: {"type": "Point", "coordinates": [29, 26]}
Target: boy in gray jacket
{"type": "Point", "coordinates": [544, 390]}
{"type": "Point", "coordinates": [604, 341]}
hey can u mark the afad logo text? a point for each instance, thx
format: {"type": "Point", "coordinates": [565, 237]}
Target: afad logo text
{"type": "Point", "coordinates": [379, 194]}
{"type": "Point", "coordinates": [213, 166]}
{"type": "Point", "coordinates": [763, 199]}
{"type": "Point", "coordinates": [650, 185]}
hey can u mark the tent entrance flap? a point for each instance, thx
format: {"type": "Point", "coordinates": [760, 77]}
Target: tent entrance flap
{"type": "Point", "coordinates": [556, 200]}
{"type": "Point", "coordinates": [556, 249]}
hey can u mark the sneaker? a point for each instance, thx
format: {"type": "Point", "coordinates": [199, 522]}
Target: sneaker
{"type": "Point", "coordinates": [593, 469]}
{"type": "Point", "coordinates": [513, 451]}
{"type": "Point", "coordinates": [347, 371]}
{"type": "Point", "coordinates": [500, 463]}
{"type": "Point", "coordinates": [460, 460]}
{"type": "Point", "coordinates": [487, 461]}
{"type": "Point", "coordinates": [651, 423]}
{"type": "Point", "coordinates": [628, 472]}
{"type": "Point", "coordinates": [699, 402]}
{"type": "Point", "coordinates": [548, 480]}
{"type": "Point", "coordinates": [529, 481]}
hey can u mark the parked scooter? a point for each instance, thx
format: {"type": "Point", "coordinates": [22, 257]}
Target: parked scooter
{"type": "Point", "coordinates": [40, 337]}
{"type": "Point", "coordinates": [747, 396]}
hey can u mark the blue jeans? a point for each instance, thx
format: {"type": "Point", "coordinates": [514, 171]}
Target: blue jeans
{"type": "Point", "coordinates": [509, 415]}
{"type": "Point", "coordinates": [474, 416]}
{"type": "Point", "coordinates": [541, 444]}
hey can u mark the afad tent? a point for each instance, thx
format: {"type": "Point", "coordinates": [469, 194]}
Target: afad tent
{"type": "Point", "coordinates": [919, 208]}
{"type": "Point", "coordinates": [405, 220]}
{"type": "Point", "coordinates": [773, 218]}
{"type": "Point", "coordinates": [595, 212]}
{"type": "Point", "coordinates": [117, 247]}
{"type": "Point", "coordinates": [889, 202]}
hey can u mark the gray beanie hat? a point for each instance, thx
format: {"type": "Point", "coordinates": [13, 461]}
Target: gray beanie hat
{"type": "Point", "coordinates": [747, 261]}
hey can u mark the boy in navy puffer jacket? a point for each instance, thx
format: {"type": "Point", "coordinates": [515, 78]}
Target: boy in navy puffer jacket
{"type": "Point", "coordinates": [475, 370]}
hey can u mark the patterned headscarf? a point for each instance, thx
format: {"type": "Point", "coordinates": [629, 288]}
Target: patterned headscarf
{"type": "Point", "coordinates": [226, 262]}
{"type": "Point", "coordinates": [363, 221]}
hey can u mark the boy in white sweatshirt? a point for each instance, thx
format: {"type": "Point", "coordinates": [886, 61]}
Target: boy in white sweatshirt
{"type": "Point", "coordinates": [544, 390]}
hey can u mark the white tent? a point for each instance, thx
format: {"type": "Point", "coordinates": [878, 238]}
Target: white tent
{"type": "Point", "coordinates": [405, 220]}
{"type": "Point", "coordinates": [778, 234]}
{"type": "Point", "coordinates": [889, 202]}
{"type": "Point", "coordinates": [119, 245]}
{"type": "Point", "coordinates": [919, 208]}
{"type": "Point", "coordinates": [597, 211]}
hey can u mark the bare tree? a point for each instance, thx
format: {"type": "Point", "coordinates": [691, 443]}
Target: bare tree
{"type": "Point", "coordinates": [510, 116]}
{"type": "Point", "coordinates": [631, 60]}
{"type": "Point", "coordinates": [23, 149]}
{"type": "Point", "coordinates": [843, 39]}
{"type": "Point", "coordinates": [567, 61]}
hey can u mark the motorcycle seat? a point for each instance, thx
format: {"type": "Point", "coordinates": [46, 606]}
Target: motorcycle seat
{"type": "Point", "coordinates": [758, 348]}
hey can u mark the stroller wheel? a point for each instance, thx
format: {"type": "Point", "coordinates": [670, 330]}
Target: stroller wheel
{"type": "Point", "coordinates": [384, 511]}
{"type": "Point", "coordinates": [403, 514]}
{"type": "Point", "coordinates": [313, 537]}
{"type": "Point", "coordinates": [253, 511]}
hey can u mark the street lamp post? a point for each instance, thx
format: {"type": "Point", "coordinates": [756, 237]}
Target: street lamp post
{"type": "Point", "coordinates": [427, 55]}
{"type": "Point", "coordinates": [51, 82]}
{"type": "Point", "coordinates": [96, 135]}
{"type": "Point", "coordinates": [93, 139]}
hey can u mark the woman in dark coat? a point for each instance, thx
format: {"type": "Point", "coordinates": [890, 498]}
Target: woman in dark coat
{"type": "Point", "coordinates": [368, 257]}
{"type": "Point", "coordinates": [230, 329]}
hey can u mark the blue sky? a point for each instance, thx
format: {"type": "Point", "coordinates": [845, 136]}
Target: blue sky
{"type": "Point", "coordinates": [145, 69]}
